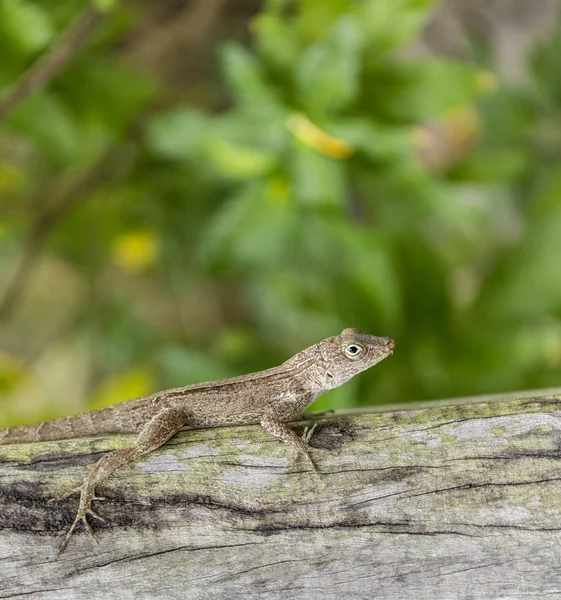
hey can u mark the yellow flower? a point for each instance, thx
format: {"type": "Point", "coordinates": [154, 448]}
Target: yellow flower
{"type": "Point", "coordinates": [136, 251]}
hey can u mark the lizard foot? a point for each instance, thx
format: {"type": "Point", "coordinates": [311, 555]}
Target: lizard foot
{"type": "Point", "coordinates": [304, 449]}
{"type": "Point", "coordinates": [85, 509]}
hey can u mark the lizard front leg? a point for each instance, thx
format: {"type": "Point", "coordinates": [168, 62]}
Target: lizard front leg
{"type": "Point", "coordinates": [156, 432]}
{"type": "Point", "coordinates": [277, 428]}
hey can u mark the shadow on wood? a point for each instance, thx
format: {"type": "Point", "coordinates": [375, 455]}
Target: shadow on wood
{"type": "Point", "coordinates": [447, 501]}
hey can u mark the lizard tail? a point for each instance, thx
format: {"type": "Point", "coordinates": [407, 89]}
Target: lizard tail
{"type": "Point", "coordinates": [81, 425]}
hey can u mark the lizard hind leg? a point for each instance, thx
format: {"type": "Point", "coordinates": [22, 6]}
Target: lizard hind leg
{"type": "Point", "coordinates": [282, 432]}
{"type": "Point", "coordinates": [155, 433]}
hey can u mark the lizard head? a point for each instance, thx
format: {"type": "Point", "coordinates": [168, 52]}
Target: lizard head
{"type": "Point", "coordinates": [351, 352]}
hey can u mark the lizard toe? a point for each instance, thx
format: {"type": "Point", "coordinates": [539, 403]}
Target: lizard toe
{"type": "Point", "coordinates": [309, 432]}
{"type": "Point", "coordinates": [84, 519]}
{"type": "Point", "coordinates": [92, 512]}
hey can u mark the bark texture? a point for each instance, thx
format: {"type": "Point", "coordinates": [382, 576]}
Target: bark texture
{"type": "Point", "coordinates": [447, 501]}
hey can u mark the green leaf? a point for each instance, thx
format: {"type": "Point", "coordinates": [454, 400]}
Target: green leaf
{"type": "Point", "coordinates": [327, 74]}
{"type": "Point", "coordinates": [246, 79]}
{"type": "Point", "coordinates": [251, 230]}
{"type": "Point", "coordinates": [369, 267]}
{"type": "Point", "coordinates": [103, 89]}
{"type": "Point", "coordinates": [25, 26]}
{"type": "Point", "coordinates": [377, 141]}
{"type": "Point", "coordinates": [315, 18]}
{"type": "Point", "coordinates": [391, 23]}
{"type": "Point", "coordinates": [529, 282]}
{"type": "Point", "coordinates": [436, 86]}
{"type": "Point", "coordinates": [262, 131]}
{"type": "Point", "coordinates": [177, 134]}
{"type": "Point", "coordinates": [237, 161]}
{"type": "Point", "coordinates": [277, 39]}
{"type": "Point", "coordinates": [104, 5]}
{"type": "Point", "coordinates": [317, 179]}
{"type": "Point", "coordinates": [493, 164]}
{"type": "Point", "coordinates": [48, 123]}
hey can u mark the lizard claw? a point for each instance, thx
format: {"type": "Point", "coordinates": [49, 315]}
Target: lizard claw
{"type": "Point", "coordinates": [92, 512]}
{"type": "Point", "coordinates": [84, 520]}
{"type": "Point", "coordinates": [308, 432]}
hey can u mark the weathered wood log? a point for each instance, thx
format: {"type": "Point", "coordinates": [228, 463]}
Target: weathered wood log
{"type": "Point", "coordinates": [447, 501]}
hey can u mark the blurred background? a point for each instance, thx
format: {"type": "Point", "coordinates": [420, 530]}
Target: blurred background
{"type": "Point", "coordinates": [194, 189]}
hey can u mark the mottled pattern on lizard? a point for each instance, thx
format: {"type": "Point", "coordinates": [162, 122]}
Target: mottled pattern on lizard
{"type": "Point", "coordinates": [271, 398]}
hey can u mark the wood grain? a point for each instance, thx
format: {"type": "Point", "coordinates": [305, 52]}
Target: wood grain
{"type": "Point", "coordinates": [457, 501]}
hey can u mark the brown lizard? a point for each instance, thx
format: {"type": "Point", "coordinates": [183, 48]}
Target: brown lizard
{"type": "Point", "coordinates": [271, 398]}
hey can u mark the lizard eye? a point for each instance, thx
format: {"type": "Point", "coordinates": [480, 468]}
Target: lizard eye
{"type": "Point", "coordinates": [353, 350]}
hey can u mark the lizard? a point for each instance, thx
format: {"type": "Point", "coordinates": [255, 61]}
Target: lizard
{"type": "Point", "coordinates": [271, 398]}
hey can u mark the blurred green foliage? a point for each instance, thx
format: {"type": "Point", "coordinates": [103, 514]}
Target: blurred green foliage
{"type": "Point", "coordinates": [344, 184]}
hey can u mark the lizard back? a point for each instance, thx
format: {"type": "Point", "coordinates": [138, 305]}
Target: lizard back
{"type": "Point", "coordinates": [222, 402]}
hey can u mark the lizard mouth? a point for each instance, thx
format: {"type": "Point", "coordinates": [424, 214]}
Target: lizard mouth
{"type": "Point", "coordinates": [383, 354]}
{"type": "Point", "coordinates": [390, 344]}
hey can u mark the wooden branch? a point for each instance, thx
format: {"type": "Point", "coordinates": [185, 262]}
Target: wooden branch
{"type": "Point", "coordinates": [48, 66]}
{"type": "Point", "coordinates": [160, 47]}
{"type": "Point", "coordinates": [457, 501]}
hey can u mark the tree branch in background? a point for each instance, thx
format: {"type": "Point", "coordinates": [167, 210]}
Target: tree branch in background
{"type": "Point", "coordinates": [160, 48]}
{"type": "Point", "coordinates": [109, 167]}
{"type": "Point", "coordinates": [48, 66]}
